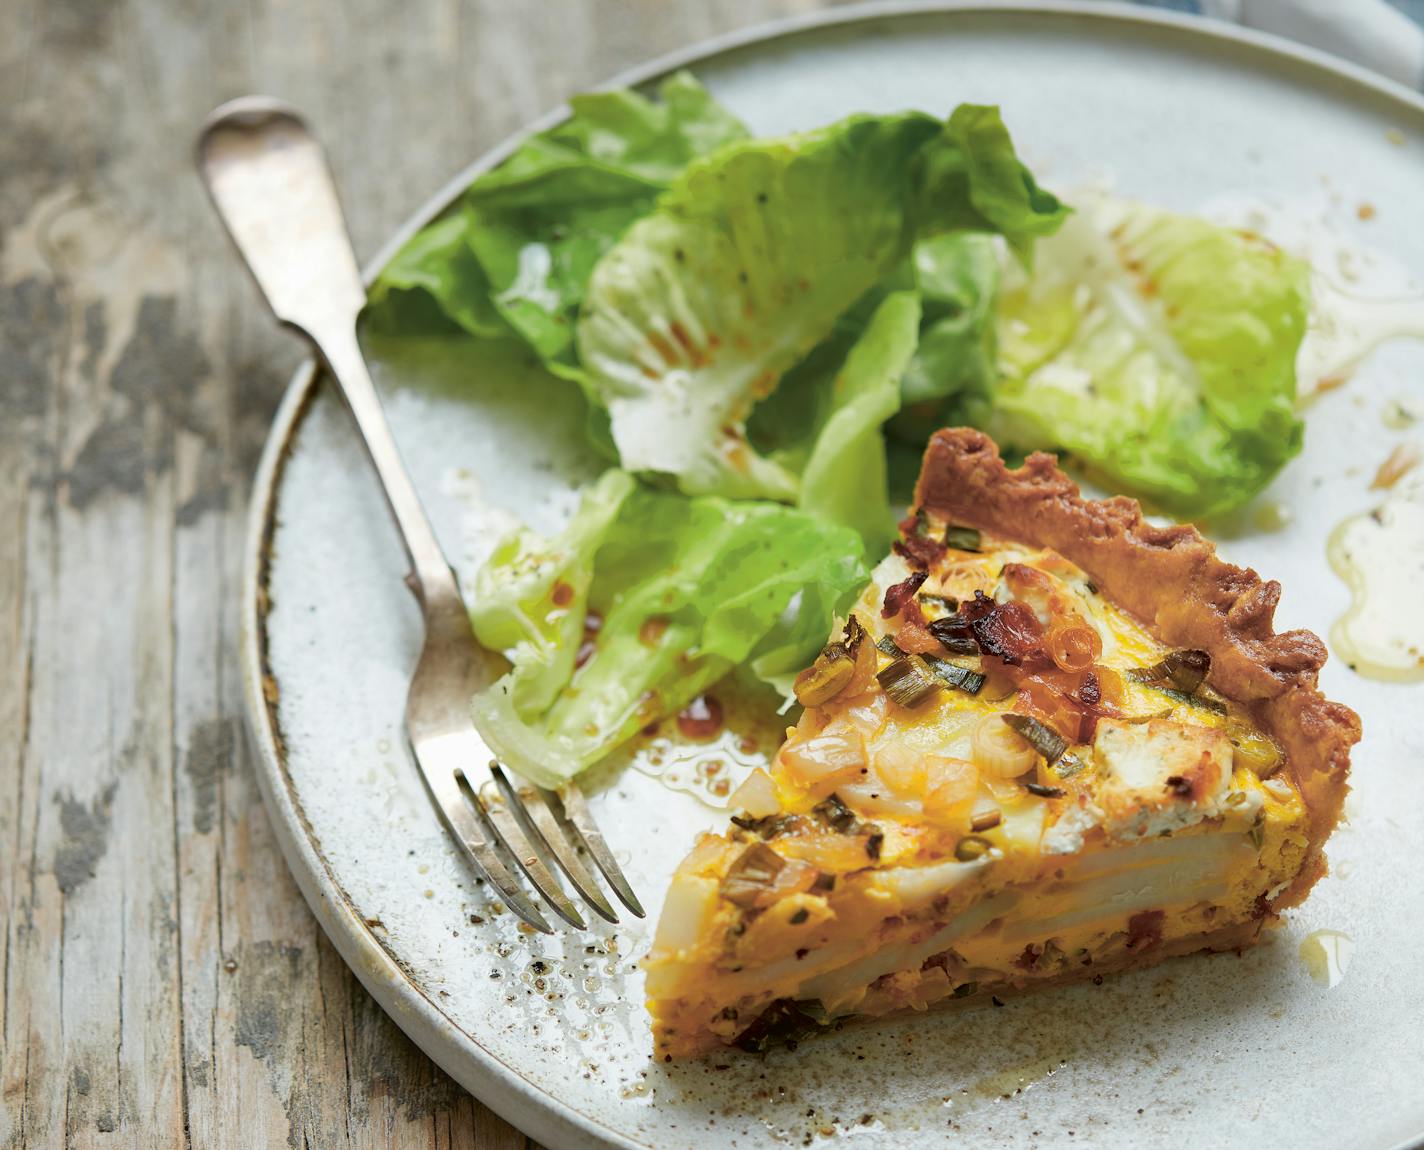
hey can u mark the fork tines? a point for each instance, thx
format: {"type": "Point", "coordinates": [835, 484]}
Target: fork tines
{"type": "Point", "coordinates": [541, 831]}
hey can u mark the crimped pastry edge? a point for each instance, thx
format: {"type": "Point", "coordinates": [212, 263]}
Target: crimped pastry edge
{"type": "Point", "coordinates": [1172, 580]}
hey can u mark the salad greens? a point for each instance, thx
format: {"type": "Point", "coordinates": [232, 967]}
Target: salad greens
{"type": "Point", "coordinates": [516, 257]}
{"type": "Point", "coordinates": [531, 597]}
{"type": "Point", "coordinates": [767, 331]}
{"type": "Point", "coordinates": [1160, 350]}
{"type": "Point", "coordinates": [952, 374]}
{"type": "Point", "coordinates": [683, 589]}
{"type": "Point", "coordinates": [845, 478]}
{"type": "Point", "coordinates": [752, 256]}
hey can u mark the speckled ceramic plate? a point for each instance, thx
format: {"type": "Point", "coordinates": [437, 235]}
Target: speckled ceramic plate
{"type": "Point", "coordinates": [550, 1031]}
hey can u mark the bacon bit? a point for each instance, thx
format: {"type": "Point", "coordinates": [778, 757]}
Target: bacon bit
{"type": "Point", "coordinates": [919, 551]}
{"type": "Point", "coordinates": [1008, 631]}
{"type": "Point", "coordinates": [701, 718]}
{"type": "Point", "coordinates": [916, 545]}
{"type": "Point", "coordinates": [1090, 692]}
{"type": "Point", "coordinates": [1144, 930]}
{"type": "Point", "coordinates": [1402, 460]}
{"type": "Point", "coordinates": [1179, 786]}
{"type": "Point", "coordinates": [562, 595]}
{"type": "Point", "coordinates": [1110, 690]}
{"type": "Point", "coordinates": [900, 594]}
{"type": "Point", "coordinates": [914, 523]}
{"type": "Point", "coordinates": [914, 636]}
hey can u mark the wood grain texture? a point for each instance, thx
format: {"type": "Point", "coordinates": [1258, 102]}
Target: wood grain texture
{"type": "Point", "coordinates": [163, 982]}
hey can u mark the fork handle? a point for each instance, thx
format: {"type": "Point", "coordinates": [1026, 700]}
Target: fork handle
{"type": "Point", "coordinates": [435, 582]}
{"type": "Point", "coordinates": [272, 186]}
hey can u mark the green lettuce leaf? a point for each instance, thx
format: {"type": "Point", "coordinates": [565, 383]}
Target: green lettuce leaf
{"type": "Point", "coordinates": [1159, 350]}
{"type": "Point", "coordinates": [686, 590]}
{"type": "Point", "coordinates": [531, 597]}
{"type": "Point", "coordinates": [750, 259]}
{"type": "Point", "coordinates": [514, 259]}
{"type": "Point", "coordinates": [845, 479]}
{"type": "Point", "coordinates": [433, 280]}
{"type": "Point", "coordinates": [655, 140]}
{"type": "Point", "coordinates": [951, 378]}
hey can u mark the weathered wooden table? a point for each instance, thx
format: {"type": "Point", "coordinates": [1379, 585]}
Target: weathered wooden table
{"type": "Point", "coordinates": [164, 984]}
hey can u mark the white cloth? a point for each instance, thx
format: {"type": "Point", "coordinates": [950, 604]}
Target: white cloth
{"type": "Point", "coordinates": [1368, 32]}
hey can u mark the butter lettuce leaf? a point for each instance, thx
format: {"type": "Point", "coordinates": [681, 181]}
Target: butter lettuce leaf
{"type": "Point", "coordinates": [531, 596]}
{"type": "Point", "coordinates": [750, 259]}
{"type": "Point", "coordinates": [1158, 350]}
{"type": "Point", "coordinates": [514, 258]}
{"type": "Point", "coordinates": [685, 589]}
{"type": "Point", "coordinates": [433, 281]}
{"type": "Point", "coordinates": [845, 479]}
{"type": "Point", "coordinates": [950, 380]}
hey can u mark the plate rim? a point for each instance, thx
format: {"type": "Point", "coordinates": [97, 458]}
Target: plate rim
{"type": "Point", "coordinates": [496, 1084]}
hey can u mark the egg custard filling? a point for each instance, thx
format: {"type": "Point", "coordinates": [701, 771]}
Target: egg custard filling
{"type": "Point", "coordinates": [1002, 778]}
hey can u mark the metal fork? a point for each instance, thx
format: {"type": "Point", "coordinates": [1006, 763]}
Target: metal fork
{"type": "Point", "coordinates": [269, 179]}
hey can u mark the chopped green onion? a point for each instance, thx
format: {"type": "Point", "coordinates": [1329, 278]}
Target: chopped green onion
{"type": "Point", "coordinates": [962, 678]}
{"type": "Point", "coordinates": [1165, 712]}
{"type": "Point", "coordinates": [1041, 737]}
{"type": "Point", "coordinates": [890, 647]}
{"type": "Point", "coordinates": [962, 538]}
{"type": "Point", "coordinates": [835, 814]}
{"type": "Point", "coordinates": [827, 677]}
{"type": "Point", "coordinates": [1185, 670]}
{"type": "Point", "coordinates": [1068, 766]}
{"type": "Point", "coordinates": [751, 875]}
{"type": "Point", "coordinates": [1044, 792]}
{"type": "Point", "coordinates": [908, 681]}
{"type": "Point", "coordinates": [1201, 702]}
{"type": "Point", "coordinates": [972, 847]}
{"type": "Point", "coordinates": [970, 682]}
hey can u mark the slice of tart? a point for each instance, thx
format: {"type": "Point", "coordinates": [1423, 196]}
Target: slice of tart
{"type": "Point", "coordinates": [1052, 741]}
